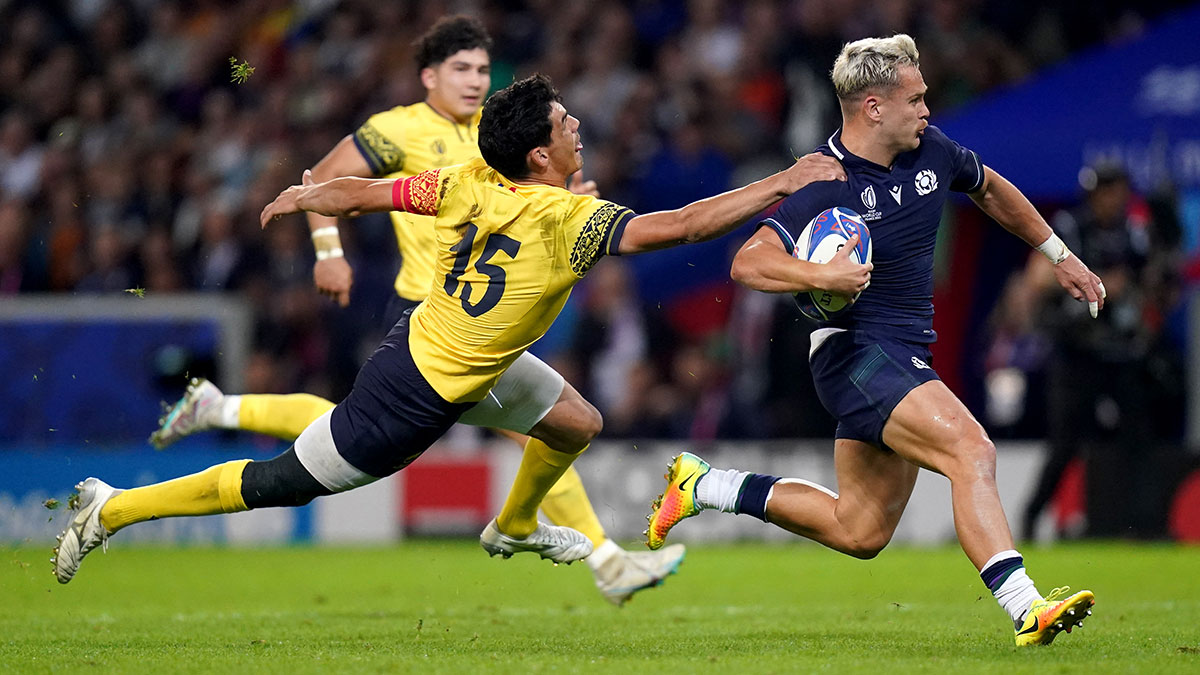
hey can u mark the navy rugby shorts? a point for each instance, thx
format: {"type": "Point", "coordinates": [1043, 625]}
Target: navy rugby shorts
{"type": "Point", "coordinates": [392, 414]}
{"type": "Point", "coordinates": [860, 378]}
{"type": "Point", "coordinates": [397, 308]}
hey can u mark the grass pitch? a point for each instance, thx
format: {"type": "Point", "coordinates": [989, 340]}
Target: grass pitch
{"type": "Point", "coordinates": [444, 606]}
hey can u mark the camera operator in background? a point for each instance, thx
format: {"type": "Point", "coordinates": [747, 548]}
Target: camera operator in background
{"type": "Point", "coordinates": [1109, 377]}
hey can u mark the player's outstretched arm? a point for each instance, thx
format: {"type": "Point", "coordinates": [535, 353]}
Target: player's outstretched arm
{"type": "Point", "coordinates": [344, 197]}
{"type": "Point", "coordinates": [332, 274]}
{"type": "Point", "coordinates": [764, 264]}
{"type": "Point", "coordinates": [1006, 205]}
{"type": "Point", "coordinates": [715, 216]}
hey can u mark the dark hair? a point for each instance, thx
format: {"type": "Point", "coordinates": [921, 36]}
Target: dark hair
{"type": "Point", "coordinates": [448, 36]}
{"type": "Point", "coordinates": [515, 120]}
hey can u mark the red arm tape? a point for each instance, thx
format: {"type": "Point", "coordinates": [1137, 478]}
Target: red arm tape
{"type": "Point", "coordinates": [417, 194]}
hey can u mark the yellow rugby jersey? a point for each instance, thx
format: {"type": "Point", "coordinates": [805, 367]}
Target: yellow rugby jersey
{"type": "Point", "coordinates": [402, 142]}
{"type": "Point", "coordinates": [507, 258]}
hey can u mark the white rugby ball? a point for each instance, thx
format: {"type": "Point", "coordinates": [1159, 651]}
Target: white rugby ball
{"type": "Point", "coordinates": [821, 239]}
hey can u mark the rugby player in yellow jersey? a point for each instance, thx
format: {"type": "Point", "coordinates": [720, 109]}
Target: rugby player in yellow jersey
{"type": "Point", "coordinates": [512, 242]}
{"type": "Point", "coordinates": [454, 65]}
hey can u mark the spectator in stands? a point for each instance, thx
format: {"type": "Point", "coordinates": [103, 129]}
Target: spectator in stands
{"type": "Point", "coordinates": [686, 95]}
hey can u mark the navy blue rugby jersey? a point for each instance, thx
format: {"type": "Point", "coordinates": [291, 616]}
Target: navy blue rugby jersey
{"type": "Point", "coordinates": [903, 207]}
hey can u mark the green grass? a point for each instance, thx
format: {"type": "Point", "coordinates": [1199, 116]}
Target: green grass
{"type": "Point", "coordinates": [444, 606]}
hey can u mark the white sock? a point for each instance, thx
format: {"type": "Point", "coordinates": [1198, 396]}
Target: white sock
{"type": "Point", "coordinates": [719, 489]}
{"type": "Point", "coordinates": [602, 554]}
{"type": "Point", "coordinates": [227, 411]}
{"type": "Point", "coordinates": [1017, 592]}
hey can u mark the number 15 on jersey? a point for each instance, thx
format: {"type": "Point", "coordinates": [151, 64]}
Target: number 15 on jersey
{"type": "Point", "coordinates": [492, 244]}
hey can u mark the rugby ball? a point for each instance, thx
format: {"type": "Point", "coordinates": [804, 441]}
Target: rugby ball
{"type": "Point", "coordinates": [823, 237]}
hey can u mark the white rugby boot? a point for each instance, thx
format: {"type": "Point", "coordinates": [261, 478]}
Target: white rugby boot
{"type": "Point", "coordinates": [196, 411]}
{"type": "Point", "coordinates": [85, 531]}
{"type": "Point", "coordinates": [628, 572]}
{"type": "Point", "coordinates": [552, 542]}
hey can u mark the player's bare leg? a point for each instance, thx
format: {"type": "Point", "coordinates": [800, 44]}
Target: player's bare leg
{"type": "Point", "coordinates": [932, 428]}
{"type": "Point", "coordinates": [571, 424]}
{"type": "Point", "coordinates": [873, 488]}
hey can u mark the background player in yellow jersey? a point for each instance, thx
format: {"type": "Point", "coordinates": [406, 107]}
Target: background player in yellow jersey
{"type": "Point", "coordinates": [512, 242]}
{"type": "Point", "coordinates": [454, 66]}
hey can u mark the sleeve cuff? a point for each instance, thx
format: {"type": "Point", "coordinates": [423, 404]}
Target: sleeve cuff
{"type": "Point", "coordinates": [618, 230]}
{"type": "Point", "coordinates": [371, 159]}
{"type": "Point", "coordinates": [979, 168]}
{"type": "Point", "coordinates": [784, 235]}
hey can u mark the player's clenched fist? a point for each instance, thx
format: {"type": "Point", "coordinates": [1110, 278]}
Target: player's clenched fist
{"type": "Point", "coordinates": [334, 277]}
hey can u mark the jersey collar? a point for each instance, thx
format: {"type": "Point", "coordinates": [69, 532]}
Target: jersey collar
{"type": "Point", "coordinates": [849, 159]}
{"type": "Point", "coordinates": [459, 128]}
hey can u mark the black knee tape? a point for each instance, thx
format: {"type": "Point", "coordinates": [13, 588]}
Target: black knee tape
{"type": "Point", "coordinates": [282, 481]}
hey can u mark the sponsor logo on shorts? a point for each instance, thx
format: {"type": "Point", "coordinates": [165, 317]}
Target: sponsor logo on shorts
{"type": "Point", "coordinates": [919, 364]}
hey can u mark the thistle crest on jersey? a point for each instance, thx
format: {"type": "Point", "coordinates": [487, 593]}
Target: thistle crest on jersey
{"type": "Point", "coordinates": [821, 239]}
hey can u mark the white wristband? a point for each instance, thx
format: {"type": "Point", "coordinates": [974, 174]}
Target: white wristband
{"type": "Point", "coordinates": [335, 252]}
{"type": "Point", "coordinates": [331, 230]}
{"type": "Point", "coordinates": [1054, 249]}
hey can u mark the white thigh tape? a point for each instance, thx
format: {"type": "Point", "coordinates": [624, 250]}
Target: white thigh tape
{"type": "Point", "coordinates": [316, 451]}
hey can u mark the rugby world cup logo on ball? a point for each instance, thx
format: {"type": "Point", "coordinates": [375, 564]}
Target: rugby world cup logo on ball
{"type": "Point", "coordinates": [823, 237]}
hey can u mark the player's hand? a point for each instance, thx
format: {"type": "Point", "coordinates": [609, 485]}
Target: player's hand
{"type": "Point", "coordinates": [287, 202]}
{"type": "Point", "coordinates": [812, 168]}
{"type": "Point", "coordinates": [1081, 283]}
{"type": "Point", "coordinates": [581, 187]}
{"type": "Point", "coordinates": [843, 276]}
{"type": "Point", "coordinates": [333, 277]}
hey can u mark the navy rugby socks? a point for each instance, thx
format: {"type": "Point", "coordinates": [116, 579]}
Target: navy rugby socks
{"type": "Point", "coordinates": [752, 499]}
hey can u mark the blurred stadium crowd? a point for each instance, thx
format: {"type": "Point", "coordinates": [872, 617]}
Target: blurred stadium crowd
{"type": "Point", "coordinates": [130, 159]}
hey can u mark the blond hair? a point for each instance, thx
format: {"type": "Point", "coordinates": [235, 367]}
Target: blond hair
{"type": "Point", "coordinates": [872, 63]}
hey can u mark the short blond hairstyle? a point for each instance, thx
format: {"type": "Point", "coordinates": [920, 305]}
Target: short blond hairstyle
{"type": "Point", "coordinates": [872, 63]}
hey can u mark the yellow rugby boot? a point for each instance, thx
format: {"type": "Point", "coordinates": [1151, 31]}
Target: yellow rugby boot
{"type": "Point", "coordinates": [679, 499]}
{"type": "Point", "coordinates": [1052, 614]}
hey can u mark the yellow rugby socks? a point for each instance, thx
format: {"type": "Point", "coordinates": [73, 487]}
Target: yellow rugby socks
{"type": "Point", "coordinates": [280, 415]}
{"type": "Point", "coordinates": [217, 489]}
{"type": "Point", "coordinates": [567, 504]}
{"type": "Point", "coordinates": [541, 467]}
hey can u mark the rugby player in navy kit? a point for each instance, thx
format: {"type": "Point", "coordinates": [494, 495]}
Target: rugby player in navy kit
{"type": "Point", "coordinates": [871, 364]}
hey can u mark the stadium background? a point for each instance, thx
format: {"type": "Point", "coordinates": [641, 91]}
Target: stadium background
{"type": "Point", "coordinates": [130, 160]}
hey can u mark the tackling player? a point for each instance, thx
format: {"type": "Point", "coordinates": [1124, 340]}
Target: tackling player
{"type": "Point", "coordinates": [512, 242]}
{"type": "Point", "coordinates": [872, 366]}
{"type": "Point", "coordinates": [454, 65]}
